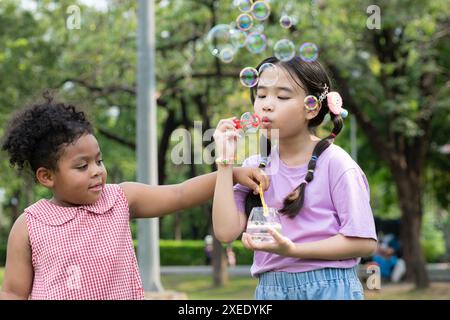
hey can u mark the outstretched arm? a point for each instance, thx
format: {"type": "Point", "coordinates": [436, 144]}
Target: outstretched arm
{"type": "Point", "coordinates": [18, 279]}
{"type": "Point", "coordinates": [147, 201]}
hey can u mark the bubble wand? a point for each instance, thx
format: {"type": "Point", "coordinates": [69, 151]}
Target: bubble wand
{"type": "Point", "coordinates": [261, 195]}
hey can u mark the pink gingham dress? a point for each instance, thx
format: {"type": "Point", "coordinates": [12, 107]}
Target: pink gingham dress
{"type": "Point", "coordinates": [84, 252]}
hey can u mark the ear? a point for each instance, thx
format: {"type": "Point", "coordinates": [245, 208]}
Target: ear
{"type": "Point", "coordinates": [311, 114]}
{"type": "Point", "coordinates": [45, 177]}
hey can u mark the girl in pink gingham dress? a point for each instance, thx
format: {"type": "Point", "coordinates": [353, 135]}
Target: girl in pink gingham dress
{"type": "Point", "coordinates": [83, 252]}
{"type": "Point", "coordinates": [78, 244]}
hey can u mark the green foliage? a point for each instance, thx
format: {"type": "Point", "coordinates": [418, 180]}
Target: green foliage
{"type": "Point", "coordinates": [192, 252]}
{"type": "Point", "coordinates": [432, 240]}
{"type": "Point", "coordinates": [2, 254]}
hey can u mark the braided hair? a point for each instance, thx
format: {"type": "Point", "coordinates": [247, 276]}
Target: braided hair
{"type": "Point", "coordinates": [311, 77]}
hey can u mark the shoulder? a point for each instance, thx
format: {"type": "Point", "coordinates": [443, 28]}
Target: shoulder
{"type": "Point", "coordinates": [131, 191]}
{"type": "Point", "coordinates": [338, 160]}
{"type": "Point", "coordinates": [339, 164]}
{"type": "Point", "coordinates": [18, 236]}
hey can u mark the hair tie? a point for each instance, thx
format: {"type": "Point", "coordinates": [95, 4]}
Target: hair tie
{"type": "Point", "coordinates": [314, 158]}
{"type": "Point", "coordinates": [305, 182]}
{"type": "Point", "coordinates": [333, 135]}
{"type": "Point", "coordinates": [311, 170]}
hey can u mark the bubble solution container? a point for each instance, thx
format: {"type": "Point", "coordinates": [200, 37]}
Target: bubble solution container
{"type": "Point", "coordinates": [258, 223]}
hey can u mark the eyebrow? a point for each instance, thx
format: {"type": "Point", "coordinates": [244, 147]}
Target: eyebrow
{"type": "Point", "coordinates": [277, 88]}
{"type": "Point", "coordinates": [87, 157]}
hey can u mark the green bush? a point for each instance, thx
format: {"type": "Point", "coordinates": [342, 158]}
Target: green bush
{"type": "Point", "coordinates": [2, 254]}
{"type": "Point", "coordinates": [191, 252]}
{"type": "Point", "coordinates": [432, 239]}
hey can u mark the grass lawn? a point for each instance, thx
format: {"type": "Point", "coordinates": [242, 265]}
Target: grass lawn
{"type": "Point", "coordinates": [200, 287]}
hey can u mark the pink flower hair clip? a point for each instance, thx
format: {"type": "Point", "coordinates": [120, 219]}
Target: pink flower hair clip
{"type": "Point", "coordinates": [335, 104]}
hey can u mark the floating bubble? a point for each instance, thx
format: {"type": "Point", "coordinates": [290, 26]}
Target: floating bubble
{"type": "Point", "coordinates": [268, 74]}
{"type": "Point", "coordinates": [249, 77]}
{"type": "Point", "coordinates": [246, 121]}
{"type": "Point", "coordinates": [261, 10]}
{"type": "Point", "coordinates": [284, 50]}
{"type": "Point", "coordinates": [256, 42]}
{"type": "Point", "coordinates": [245, 5]}
{"type": "Point", "coordinates": [227, 54]}
{"type": "Point", "coordinates": [244, 21]}
{"type": "Point", "coordinates": [250, 122]}
{"type": "Point", "coordinates": [258, 28]}
{"type": "Point", "coordinates": [286, 22]}
{"type": "Point", "coordinates": [238, 38]}
{"type": "Point", "coordinates": [309, 52]}
{"type": "Point", "coordinates": [218, 39]}
{"type": "Point", "coordinates": [311, 102]}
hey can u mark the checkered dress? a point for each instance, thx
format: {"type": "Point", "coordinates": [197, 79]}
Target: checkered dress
{"type": "Point", "coordinates": [84, 252]}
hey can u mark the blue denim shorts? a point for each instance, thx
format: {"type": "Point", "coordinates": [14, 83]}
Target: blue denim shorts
{"type": "Point", "coordinates": [322, 284]}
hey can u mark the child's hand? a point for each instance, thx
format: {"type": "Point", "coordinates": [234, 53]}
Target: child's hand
{"type": "Point", "coordinates": [282, 245]}
{"type": "Point", "coordinates": [251, 177]}
{"type": "Point", "coordinates": [225, 137]}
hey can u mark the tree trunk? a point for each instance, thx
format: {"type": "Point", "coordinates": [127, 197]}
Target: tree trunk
{"type": "Point", "coordinates": [177, 226]}
{"type": "Point", "coordinates": [409, 194]}
{"type": "Point", "coordinates": [219, 263]}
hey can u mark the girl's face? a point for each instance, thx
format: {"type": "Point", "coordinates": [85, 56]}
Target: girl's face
{"type": "Point", "coordinates": [281, 106]}
{"type": "Point", "coordinates": [81, 175]}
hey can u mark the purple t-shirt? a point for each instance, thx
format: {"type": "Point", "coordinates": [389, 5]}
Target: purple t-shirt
{"type": "Point", "coordinates": [336, 201]}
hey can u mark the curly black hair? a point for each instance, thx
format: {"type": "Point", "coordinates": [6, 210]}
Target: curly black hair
{"type": "Point", "coordinates": [35, 136]}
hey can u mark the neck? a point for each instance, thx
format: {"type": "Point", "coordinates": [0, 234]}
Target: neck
{"type": "Point", "coordinates": [297, 149]}
{"type": "Point", "coordinates": [60, 203]}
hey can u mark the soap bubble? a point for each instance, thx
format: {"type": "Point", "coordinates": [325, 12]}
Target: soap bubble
{"type": "Point", "coordinates": [249, 77]}
{"type": "Point", "coordinates": [218, 39]}
{"type": "Point", "coordinates": [238, 38]}
{"type": "Point", "coordinates": [227, 54]}
{"type": "Point", "coordinates": [256, 42]}
{"type": "Point", "coordinates": [309, 52]}
{"type": "Point", "coordinates": [244, 21]}
{"type": "Point", "coordinates": [268, 74]}
{"type": "Point", "coordinates": [286, 22]}
{"type": "Point", "coordinates": [261, 10]}
{"type": "Point", "coordinates": [284, 50]}
{"type": "Point", "coordinates": [245, 5]}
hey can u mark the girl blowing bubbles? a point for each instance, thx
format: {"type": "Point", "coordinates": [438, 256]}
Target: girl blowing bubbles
{"type": "Point", "coordinates": [320, 192]}
{"type": "Point", "coordinates": [78, 244]}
